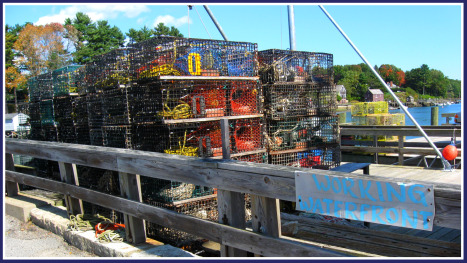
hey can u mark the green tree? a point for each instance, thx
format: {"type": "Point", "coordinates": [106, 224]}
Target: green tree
{"type": "Point", "coordinates": [162, 30]}
{"type": "Point", "coordinates": [139, 35]}
{"type": "Point", "coordinates": [94, 38]}
{"type": "Point", "coordinates": [350, 82]}
{"type": "Point", "coordinates": [455, 88]}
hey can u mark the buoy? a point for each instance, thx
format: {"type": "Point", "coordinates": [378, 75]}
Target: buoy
{"type": "Point", "coordinates": [450, 152]}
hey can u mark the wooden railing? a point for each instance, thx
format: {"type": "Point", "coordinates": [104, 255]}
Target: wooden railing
{"type": "Point", "coordinates": [400, 147]}
{"type": "Point", "coordinates": [265, 183]}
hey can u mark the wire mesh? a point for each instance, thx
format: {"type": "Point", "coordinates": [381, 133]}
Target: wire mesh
{"type": "Point", "coordinates": [33, 89]}
{"type": "Point", "coordinates": [295, 66]}
{"type": "Point", "coordinates": [365, 108]}
{"type": "Point", "coordinates": [64, 80]}
{"type": "Point", "coordinates": [47, 112]}
{"type": "Point", "coordinates": [192, 57]}
{"type": "Point", "coordinates": [111, 70]}
{"type": "Point", "coordinates": [117, 136]}
{"type": "Point", "coordinates": [301, 133]}
{"type": "Point", "coordinates": [95, 110]}
{"type": "Point", "coordinates": [45, 86]}
{"type": "Point", "coordinates": [319, 158]}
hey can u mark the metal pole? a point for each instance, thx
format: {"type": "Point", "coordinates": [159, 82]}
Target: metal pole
{"type": "Point", "coordinates": [215, 22]}
{"type": "Point", "coordinates": [446, 164]}
{"type": "Point", "coordinates": [291, 27]}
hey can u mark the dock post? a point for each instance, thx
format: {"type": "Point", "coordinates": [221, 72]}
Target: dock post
{"type": "Point", "coordinates": [130, 188]}
{"type": "Point", "coordinates": [434, 116]}
{"type": "Point", "coordinates": [401, 154]}
{"type": "Point", "coordinates": [69, 175]}
{"type": "Point", "coordinates": [342, 117]}
{"type": "Point", "coordinates": [12, 188]}
{"type": "Point", "coordinates": [230, 205]}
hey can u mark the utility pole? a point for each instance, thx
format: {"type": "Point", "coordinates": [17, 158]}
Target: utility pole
{"type": "Point", "coordinates": [291, 27]}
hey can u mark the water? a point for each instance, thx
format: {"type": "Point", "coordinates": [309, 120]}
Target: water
{"type": "Point", "coordinates": [422, 115]}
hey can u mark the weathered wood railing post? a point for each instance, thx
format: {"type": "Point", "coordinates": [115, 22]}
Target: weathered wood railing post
{"type": "Point", "coordinates": [12, 188]}
{"type": "Point", "coordinates": [69, 175]}
{"type": "Point", "coordinates": [130, 188]}
{"type": "Point", "coordinates": [401, 146]}
{"type": "Point", "coordinates": [375, 144]}
{"type": "Point", "coordinates": [230, 205]}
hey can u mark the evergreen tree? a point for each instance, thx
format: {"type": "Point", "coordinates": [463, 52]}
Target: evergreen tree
{"type": "Point", "coordinates": [162, 30]}
{"type": "Point", "coordinates": [139, 35]}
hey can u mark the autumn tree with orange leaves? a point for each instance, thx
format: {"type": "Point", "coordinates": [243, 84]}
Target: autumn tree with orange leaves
{"type": "Point", "coordinates": [43, 48]}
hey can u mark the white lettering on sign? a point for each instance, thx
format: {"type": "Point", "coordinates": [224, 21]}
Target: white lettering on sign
{"type": "Point", "coordinates": [406, 205]}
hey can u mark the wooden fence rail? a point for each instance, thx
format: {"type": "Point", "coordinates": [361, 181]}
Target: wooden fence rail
{"type": "Point", "coordinates": [267, 183]}
{"type": "Point", "coordinates": [401, 147]}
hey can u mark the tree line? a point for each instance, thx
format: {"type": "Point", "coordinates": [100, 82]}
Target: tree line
{"type": "Point", "coordinates": [31, 50]}
{"type": "Point", "coordinates": [422, 82]}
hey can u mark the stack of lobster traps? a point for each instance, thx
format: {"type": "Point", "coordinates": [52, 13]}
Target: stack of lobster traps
{"type": "Point", "coordinates": [299, 108]}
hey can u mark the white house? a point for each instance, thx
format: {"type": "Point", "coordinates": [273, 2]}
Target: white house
{"type": "Point", "coordinates": [14, 120]}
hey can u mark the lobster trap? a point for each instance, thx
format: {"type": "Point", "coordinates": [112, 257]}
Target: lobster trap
{"type": "Point", "coordinates": [160, 56]}
{"type": "Point", "coordinates": [33, 89]}
{"type": "Point", "coordinates": [277, 65]}
{"type": "Point", "coordinates": [397, 119]}
{"type": "Point", "coordinates": [63, 110]}
{"type": "Point", "coordinates": [198, 98]}
{"type": "Point", "coordinates": [318, 158]}
{"type": "Point", "coordinates": [65, 80]}
{"type": "Point", "coordinates": [301, 133]}
{"type": "Point", "coordinates": [95, 110]}
{"type": "Point", "coordinates": [110, 70]}
{"type": "Point", "coordinates": [45, 86]}
{"type": "Point", "coordinates": [365, 108]}
{"type": "Point", "coordinates": [150, 137]}
{"type": "Point", "coordinates": [205, 139]}
{"type": "Point", "coordinates": [117, 136]}
{"type": "Point", "coordinates": [47, 112]}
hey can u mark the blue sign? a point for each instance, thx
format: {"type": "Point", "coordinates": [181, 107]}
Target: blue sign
{"type": "Point", "coordinates": [399, 204]}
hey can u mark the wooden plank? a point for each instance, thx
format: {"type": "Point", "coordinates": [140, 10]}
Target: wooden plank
{"type": "Point", "coordinates": [419, 151]}
{"type": "Point", "coordinates": [383, 243]}
{"type": "Point", "coordinates": [227, 235]}
{"type": "Point", "coordinates": [130, 188]}
{"type": "Point", "coordinates": [69, 175]}
{"type": "Point", "coordinates": [213, 119]}
{"type": "Point", "coordinates": [351, 167]}
{"type": "Point", "coordinates": [12, 188]}
{"type": "Point", "coordinates": [230, 205]}
{"type": "Point", "coordinates": [382, 130]}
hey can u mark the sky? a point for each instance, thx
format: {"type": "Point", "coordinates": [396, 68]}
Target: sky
{"type": "Point", "coordinates": [406, 36]}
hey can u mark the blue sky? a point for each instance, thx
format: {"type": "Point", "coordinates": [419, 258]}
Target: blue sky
{"type": "Point", "coordinates": [403, 35]}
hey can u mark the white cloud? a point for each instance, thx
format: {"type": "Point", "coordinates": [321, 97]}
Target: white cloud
{"type": "Point", "coordinates": [95, 12]}
{"type": "Point", "coordinates": [169, 20]}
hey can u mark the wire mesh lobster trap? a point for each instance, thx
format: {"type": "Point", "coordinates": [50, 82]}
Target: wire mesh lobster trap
{"type": "Point", "coordinates": [47, 112]}
{"type": "Point", "coordinates": [295, 66]}
{"type": "Point", "coordinates": [111, 70]}
{"type": "Point", "coordinates": [63, 111]}
{"type": "Point", "coordinates": [318, 158]}
{"type": "Point", "coordinates": [365, 108]}
{"type": "Point", "coordinates": [301, 133]}
{"type": "Point", "coordinates": [117, 136]}
{"type": "Point", "coordinates": [95, 110]}
{"type": "Point", "coordinates": [45, 86]}
{"type": "Point", "coordinates": [64, 80]}
{"type": "Point", "coordinates": [198, 98]}
{"type": "Point", "coordinates": [33, 90]}
{"type": "Point", "coordinates": [192, 57]}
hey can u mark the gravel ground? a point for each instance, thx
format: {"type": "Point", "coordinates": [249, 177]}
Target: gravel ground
{"type": "Point", "coordinates": [28, 240]}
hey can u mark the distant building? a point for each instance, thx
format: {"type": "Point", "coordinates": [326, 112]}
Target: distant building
{"type": "Point", "coordinates": [392, 85]}
{"type": "Point", "coordinates": [410, 99]}
{"type": "Point", "coordinates": [15, 122]}
{"type": "Point", "coordinates": [373, 95]}
{"type": "Point", "coordinates": [341, 91]}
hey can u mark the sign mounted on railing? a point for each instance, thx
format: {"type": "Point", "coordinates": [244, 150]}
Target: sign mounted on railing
{"type": "Point", "coordinates": [397, 204]}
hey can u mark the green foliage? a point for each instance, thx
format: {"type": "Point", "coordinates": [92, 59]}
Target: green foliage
{"type": "Point", "coordinates": [94, 38]}
{"type": "Point", "coordinates": [11, 35]}
{"type": "Point", "coordinates": [428, 81]}
{"type": "Point", "coordinates": [139, 35]}
{"type": "Point", "coordinates": [162, 30]}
